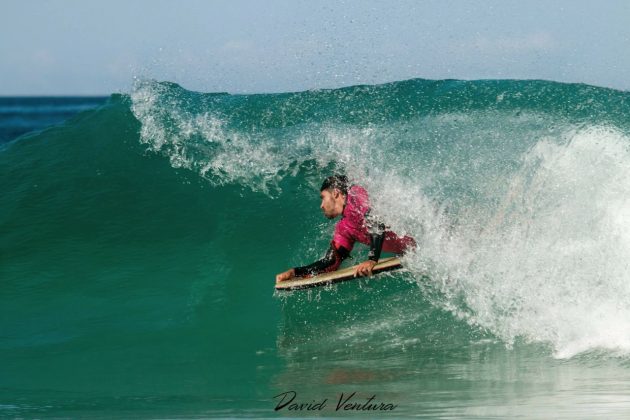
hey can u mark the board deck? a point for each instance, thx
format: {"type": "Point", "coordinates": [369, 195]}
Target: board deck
{"type": "Point", "coordinates": [384, 264]}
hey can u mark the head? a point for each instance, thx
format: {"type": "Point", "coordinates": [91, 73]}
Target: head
{"type": "Point", "coordinates": [333, 193]}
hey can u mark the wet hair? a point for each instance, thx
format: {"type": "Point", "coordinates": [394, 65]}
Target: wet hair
{"type": "Point", "coordinates": [339, 182]}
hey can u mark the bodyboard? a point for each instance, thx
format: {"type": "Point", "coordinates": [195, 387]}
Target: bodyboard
{"type": "Point", "coordinates": [384, 264]}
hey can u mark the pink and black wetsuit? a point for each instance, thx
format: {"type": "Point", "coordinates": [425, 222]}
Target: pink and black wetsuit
{"type": "Point", "coordinates": [357, 225]}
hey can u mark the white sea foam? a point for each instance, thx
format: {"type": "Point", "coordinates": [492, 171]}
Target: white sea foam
{"type": "Point", "coordinates": [549, 263]}
{"type": "Point", "coordinates": [201, 141]}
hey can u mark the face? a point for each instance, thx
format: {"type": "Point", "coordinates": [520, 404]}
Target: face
{"type": "Point", "coordinates": [329, 203]}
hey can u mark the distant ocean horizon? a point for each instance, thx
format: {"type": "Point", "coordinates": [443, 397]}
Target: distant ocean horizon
{"type": "Point", "coordinates": [140, 235]}
{"type": "Point", "coordinates": [24, 114]}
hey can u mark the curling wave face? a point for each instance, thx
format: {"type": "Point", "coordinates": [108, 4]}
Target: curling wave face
{"type": "Point", "coordinates": [516, 191]}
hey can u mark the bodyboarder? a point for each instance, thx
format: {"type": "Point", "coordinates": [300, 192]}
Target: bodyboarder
{"type": "Point", "coordinates": [351, 202]}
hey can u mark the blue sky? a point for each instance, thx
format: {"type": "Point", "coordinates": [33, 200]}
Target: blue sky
{"type": "Point", "coordinates": [65, 47]}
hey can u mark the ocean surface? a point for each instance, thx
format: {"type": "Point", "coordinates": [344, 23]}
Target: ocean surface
{"type": "Point", "coordinates": [140, 235]}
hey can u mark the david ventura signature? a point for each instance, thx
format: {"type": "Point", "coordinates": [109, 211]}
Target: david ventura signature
{"type": "Point", "coordinates": [346, 402]}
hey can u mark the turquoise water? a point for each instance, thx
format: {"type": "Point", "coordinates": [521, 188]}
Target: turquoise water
{"type": "Point", "coordinates": [139, 241]}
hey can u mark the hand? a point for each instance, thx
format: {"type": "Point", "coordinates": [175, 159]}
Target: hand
{"type": "Point", "coordinates": [365, 268]}
{"type": "Point", "coordinates": [289, 274]}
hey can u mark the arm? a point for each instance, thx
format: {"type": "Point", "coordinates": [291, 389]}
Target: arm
{"type": "Point", "coordinates": [376, 230]}
{"type": "Point", "coordinates": [376, 246]}
{"type": "Point", "coordinates": [331, 262]}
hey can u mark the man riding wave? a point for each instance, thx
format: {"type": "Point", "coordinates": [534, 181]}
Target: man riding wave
{"type": "Point", "coordinates": [351, 202]}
